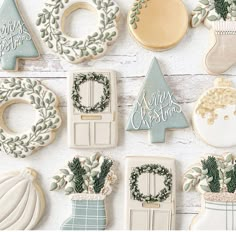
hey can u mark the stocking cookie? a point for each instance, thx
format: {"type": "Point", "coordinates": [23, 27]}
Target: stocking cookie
{"type": "Point", "coordinates": [156, 109]}
{"type": "Point", "coordinates": [88, 181]}
{"type": "Point", "coordinates": [92, 109]}
{"type": "Point", "coordinates": [22, 201]}
{"type": "Point", "coordinates": [150, 193]}
{"type": "Point", "coordinates": [219, 16]}
{"type": "Point", "coordinates": [48, 120]}
{"type": "Point", "coordinates": [214, 117]}
{"type": "Point", "coordinates": [75, 50]}
{"type": "Point", "coordinates": [214, 177]}
{"type": "Point", "coordinates": [158, 24]}
{"type": "Point", "coordinates": [16, 42]}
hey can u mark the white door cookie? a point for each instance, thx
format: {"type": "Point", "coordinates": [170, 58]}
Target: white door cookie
{"type": "Point", "coordinates": [92, 109]}
{"type": "Point", "coordinates": [214, 117]}
{"type": "Point", "coordinates": [150, 193]}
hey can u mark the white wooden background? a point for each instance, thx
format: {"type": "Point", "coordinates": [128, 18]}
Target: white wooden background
{"type": "Point", "coordinates": [184, 71]}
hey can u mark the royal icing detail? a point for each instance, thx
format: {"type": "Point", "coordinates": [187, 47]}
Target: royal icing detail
{"type": "Point", "coordinates": [15, 40]}
{"type": "Point", "coordinates": [215, 115]}
{"type": "Point", "coordinates": [215, 178]}
{"type": "Point", "coordinates": [171, 23]}
{"type": "Point", "coordinates": [48, 119]}
{"type": "Point", "coordinates": [88, 181]}
{"type": "Point", "coordinates": [156, 109]}
{"type": "Point", "coordinates": [75, 50]}
{"type": "Point", "coordinates": [22, 201]}
{"type": "Point", "coordinates": [92, 109]}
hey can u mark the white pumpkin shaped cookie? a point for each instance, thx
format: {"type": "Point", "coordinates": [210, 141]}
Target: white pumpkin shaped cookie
{"type": "Point", "coordinates": [158, 24]}
{"type": "Point", "coordinates": [21, 200]}
{"type": "Point", "coordinates": [214, 117]}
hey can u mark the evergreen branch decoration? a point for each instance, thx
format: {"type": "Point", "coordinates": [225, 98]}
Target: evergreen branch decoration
{"type": "Point", "coordinates": [231, 186]}
{"type": "Point", "coordinates": [76, 97]}
{"type": "Point", "coordinates": [75, 50]}
{"type": "Point", "coordinates": [157, 170]}
{"type": "Point", "coordinates": [221, 7]}
{"type": "Point", "coordinates": [137, 7]}
{"type": "Point", "coordinates": [44, 101]}
{"type": "Point", "coordinates": [99, 180]}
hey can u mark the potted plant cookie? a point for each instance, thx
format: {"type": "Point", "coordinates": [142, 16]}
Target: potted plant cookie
{"type": "Point", "coordinates": [88, 181]}
{"type": "Point", "coordinates": [215, 178]}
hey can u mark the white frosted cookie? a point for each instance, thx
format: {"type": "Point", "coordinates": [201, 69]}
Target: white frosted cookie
{"type": "Point", "coordinates": [150, 193]}
{"type": "Point", "coordinates": [21, 200]}
{"type": "Point", "coordinates": [158, 24]}
{"type": "Point", "coordinates": [214, 117]}
{"type": "Point", "coordinates": [15, 39]}
{"type": "Point", "coordinates": [75, 50]}
{"type": "Point", "coordinates": [92, 109]}
{"type": "Point", "coordinates": [47, 119]}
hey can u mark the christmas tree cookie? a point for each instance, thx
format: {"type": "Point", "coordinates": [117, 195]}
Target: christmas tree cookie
{"type": "Point", "coordinates": [158, 24]}
{"type": "Point", "coordinates": [156, 109]}
{"type": "Point", "coordinates": [16, 42]}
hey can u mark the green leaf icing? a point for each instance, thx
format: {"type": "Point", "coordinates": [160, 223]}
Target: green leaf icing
{"type": "Point", "coordinates": [76, 50]}
{"type": "Point", "coordinates": [44, 101]}
{"type": "Point", "coordinates": [16, 41]}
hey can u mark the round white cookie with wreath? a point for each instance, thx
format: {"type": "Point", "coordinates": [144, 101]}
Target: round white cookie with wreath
{"type": "Point", "coordinates": [75, 50]}
{"type": "Point", "coordinates": [48, 119]}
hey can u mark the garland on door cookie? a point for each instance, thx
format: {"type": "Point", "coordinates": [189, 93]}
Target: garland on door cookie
{"type": "Point", "coordinates": [219, 16]}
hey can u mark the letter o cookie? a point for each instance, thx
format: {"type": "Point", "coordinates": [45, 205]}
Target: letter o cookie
{"type": "Point", "coordinates": [76, 50]}
{"type": "Point", "coordinates": [21, 145]}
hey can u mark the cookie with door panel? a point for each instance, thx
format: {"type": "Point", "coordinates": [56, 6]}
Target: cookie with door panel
{"type": "Point", "coordinates": [92, 109]}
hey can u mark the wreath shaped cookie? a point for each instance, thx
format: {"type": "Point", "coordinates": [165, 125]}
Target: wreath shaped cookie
{"type": "Point", "coordinates": [105, 99]}
{"type": "Point", "coordinates": [155, 169]}
{"type": "Point", "coordinates": [74, 50]}
{"type": "Point", "coordinates": [47, 116]}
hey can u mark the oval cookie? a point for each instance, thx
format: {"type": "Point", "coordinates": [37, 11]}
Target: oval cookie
{"type": "Point", "coordinates": [214, 117]}
{"type": "Point", "coordinates": [158, 24]}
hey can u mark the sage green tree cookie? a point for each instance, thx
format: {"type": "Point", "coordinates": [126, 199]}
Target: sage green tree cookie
{"type": "Point", "coordinates": [76, 50]}
{"type": "Point", "coordinates": [21, 145]}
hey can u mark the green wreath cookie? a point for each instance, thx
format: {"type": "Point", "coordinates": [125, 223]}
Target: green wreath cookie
{"type": "Point", "coordinates": [47, 116]}
{"type": "Point", "coordinates": [76, 50]}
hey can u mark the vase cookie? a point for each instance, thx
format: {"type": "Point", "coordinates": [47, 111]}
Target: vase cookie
{"type": "Point", "coordinates": [22, 201]}
{"type": "Point", "coordinates": [150, 193]}
{"type": "Point", "coordinates": [88, 181]}
{"type": "Point", "coordinates": [16, 41]}
{"type": "Point", "coordinates": [215, 115]}
{"type": "Point", "coordinates": [215, 178]}
{"type": "Point", "coordinates": [158, 24]}
{"type": "Point", "coordinates": [219, 16]}
{"type": "Point", "coordinates": [92, 109]}
{"type": "Point", "coordinates": [48, 120]}
{"type": "Point", "coordinates": [156, 109]}
{"type": "Point", "coordinates": [75, 50]}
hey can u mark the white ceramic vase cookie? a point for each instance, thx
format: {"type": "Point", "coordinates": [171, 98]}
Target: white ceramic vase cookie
{"type": "Point", "coordinates": [215, 178]}
{"type": "Point", "coordinates": [76, 50]}
{"type": "Point", "coordinates": [48, 120]}
{"type": "Point", "coordinates": [22, 201]}
{"type": "Point", "coordinates": [214, 117]}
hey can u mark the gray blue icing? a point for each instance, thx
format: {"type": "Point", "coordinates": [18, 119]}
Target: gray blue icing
{"type": "Point", "coordinates": [156, 108]}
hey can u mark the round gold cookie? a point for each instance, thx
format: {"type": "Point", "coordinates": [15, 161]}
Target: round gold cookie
{"type": "Point", "coordinates": [158, 24]}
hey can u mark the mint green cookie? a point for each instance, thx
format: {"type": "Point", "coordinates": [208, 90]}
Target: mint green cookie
{"type": "Point", "coordinates": [156, 109]}
{"type": "Point", "coordinates": [15, 40]}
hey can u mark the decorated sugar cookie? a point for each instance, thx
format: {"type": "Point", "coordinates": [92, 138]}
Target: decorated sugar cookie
{"type": "Point", "coordinates": [75, 50]}
{"type": "Point", "coordinates": [214, 117]}
{"type": "Point", "coordinates": [150, 193]}
{"type": "Point", "coordinates": [92, 109]}
{"type": "Point", "coordinates": [48, 120]}
{"type": "Point", "coordinates": [219, 16]}
{"type": "Point", "coordinates": [21, 200]}
{"type": "Point", "coordinates": [215, 178]}
{"type": "Point", "coordinates": [16, 42]}
{"type": "Point", "coordinates": [156, 109]}
{"type": "Point", "coordinates": [88, 181]}
{"type": "Point", "coordinates": [158, 24]}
